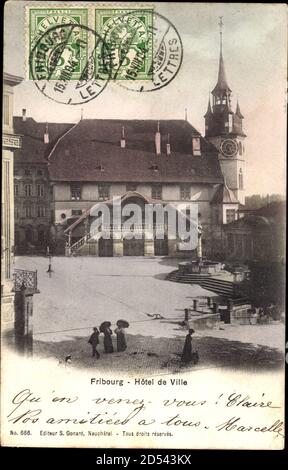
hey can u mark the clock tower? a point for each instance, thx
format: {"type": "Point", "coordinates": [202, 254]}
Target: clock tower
{"type": "Point", "coordinates": [223, 128]}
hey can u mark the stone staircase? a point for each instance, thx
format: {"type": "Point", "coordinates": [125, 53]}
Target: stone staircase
{"type": "Point", "coordinates": [213, 283]}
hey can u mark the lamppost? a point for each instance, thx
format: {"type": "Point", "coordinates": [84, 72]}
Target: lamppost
{"type": "Point", "coordinates": [199, 247]}
{"type": "Point", "coordinates": [49, 270]}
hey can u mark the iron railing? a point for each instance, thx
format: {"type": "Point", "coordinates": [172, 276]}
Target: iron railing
{"type": "Point", "coordinates": [23, 278]}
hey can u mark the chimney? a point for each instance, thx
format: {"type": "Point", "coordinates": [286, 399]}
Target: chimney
{"type": "Point", "coordinates": [158, 140]}
{"type": "Point", "coordinates": [186, 116]}
{"type": "Point", "coordinates": [196, 146]}
{"type": "Point", "coordinates": [168, 145]}
{"type": "Point", "coordinates": [23, 115]}
{"type": "Point", "coordinates": [123, 141]}
{"type": "Point", "coordinates": [46, 134]}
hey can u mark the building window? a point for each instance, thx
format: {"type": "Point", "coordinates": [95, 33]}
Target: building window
{"type": "Point", "coordinates": [28, 212]}
{"type": "Point", "coordinates": [240, 148]}
{"type": "Point", "coordinates": [185, 191]}
{"type": "Point", "coordinates": [76, 212]}
{"type": "Point", "coordinates": [28, 172]}
{"type": "Point", "coordinates": [241, 182]}
{"type": "Point", "coordinates": [41, 211]}
{"type": "Point", "coordinates": [156, 191]}
{"type": "Point", "coordinates": [16, 212]}
{"type": "Point", "coordinates": [6, 110]}
{"type": "Point", "coordinates": [28, 190]}
{"type": "Point", "coordinates": [16, 190]}
{"type": "Point", "coordinates": [131, 187]}
{"type": "Point", "coordinates": [40, 190]}
{"type": "Point", "coordinates": [39, 172]}
{"type": "Point", "coordinates": [28, 235]}
{"type": "Point", "coordinates": [75, 192]}
{"type": "Point", "coordinates": [41, 235]}
{"type": "Point", "coordinates": [104, 191]}
{"type": "Point", "coordinates": [230, 215]}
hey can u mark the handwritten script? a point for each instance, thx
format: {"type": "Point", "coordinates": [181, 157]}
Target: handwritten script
{"type": "Point", "coordinates": [54, 411]}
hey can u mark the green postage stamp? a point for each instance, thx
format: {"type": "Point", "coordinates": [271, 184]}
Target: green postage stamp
{"type": "Point", "coordinates": [72, 41]}
{"type": "Point", "coordinates": [122, 49]}
{"type": "Point", "coordinates": [127, 35]}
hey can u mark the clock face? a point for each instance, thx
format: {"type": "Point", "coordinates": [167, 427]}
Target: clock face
{"type": "Point", "coordinates": [229, 147]}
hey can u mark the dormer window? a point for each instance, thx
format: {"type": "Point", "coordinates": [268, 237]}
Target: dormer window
{"type": "Point", "coordinates": [100, 168]}
{"type": "Point", "coordinates": [154, 168]}
{"type": "Point", "coordinates": [196, 146]}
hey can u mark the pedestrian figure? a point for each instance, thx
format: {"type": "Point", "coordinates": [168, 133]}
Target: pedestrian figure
{"type": "Point", "coordinates": [187, 350]}
{"type": "Point", "coordinates": [94, 341]}
{"type": "Point", "coordinates": [121, 339]}
{"type": "Point", "coordinates": [108, 346]}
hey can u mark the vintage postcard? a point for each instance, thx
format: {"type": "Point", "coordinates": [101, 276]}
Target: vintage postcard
{"type": "Point", "coordinates": [143, 225]}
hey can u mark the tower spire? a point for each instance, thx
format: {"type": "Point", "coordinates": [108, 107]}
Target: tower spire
{"type": "Point", "coordinates": [222, 84]}
{"type": "Point", "coordinates": [209, 109]}
{"type": "Point", "coordinates": [238, 112]}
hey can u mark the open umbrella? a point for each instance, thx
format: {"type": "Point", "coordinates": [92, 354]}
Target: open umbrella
{"type": "Point", "coordinates": [104, 326]}
{"type": "Point", "coordinates": [122, 324]}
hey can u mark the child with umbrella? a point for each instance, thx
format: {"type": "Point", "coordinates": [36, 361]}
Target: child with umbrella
{"type": "Point", "coordinates": [120, 334]}
{"type": "Point", "coordinates": [106, 330]}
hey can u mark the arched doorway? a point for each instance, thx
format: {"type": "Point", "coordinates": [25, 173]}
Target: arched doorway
{"type": "Point", "coordinates": [28, 235]}
{"type": "Point", "coordinates": [161, 246]}
{"type": "Point", "coordinates": [134, 246]}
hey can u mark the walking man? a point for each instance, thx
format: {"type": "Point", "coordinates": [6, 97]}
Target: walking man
{"type": "Point", "coordinates": [94, 341]}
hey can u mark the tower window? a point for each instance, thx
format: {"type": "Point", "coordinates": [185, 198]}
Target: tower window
{"type": "Point", "coordinates": [230, 215]}
{"type": "Point", "coordinates": [240, 148]}
{"type": "Point", "coordinates": [230, 122]}
{"type": "Point", "coordinates": [241, 182]}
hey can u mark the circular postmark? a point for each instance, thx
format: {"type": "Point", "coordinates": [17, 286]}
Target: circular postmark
{"type": "Point", "coordinates": [144, 55]}
{"type": "Point", "coordinates": [62, 64]}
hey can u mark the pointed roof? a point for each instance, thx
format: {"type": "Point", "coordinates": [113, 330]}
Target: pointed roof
{"type": "Point", "coordinates": [222, 84]}
{"type": "Point", "coordinates": [238, 112]}
{"type": "Point", "coordinates": [224, 195]}
{"type": "Point", "coordinates": [209, 109]}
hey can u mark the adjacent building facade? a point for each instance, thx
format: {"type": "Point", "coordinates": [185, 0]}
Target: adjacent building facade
{"type": "Point", "coordinates": [32, 191]}
{"type": "Point", "coordinates": [11, 142]}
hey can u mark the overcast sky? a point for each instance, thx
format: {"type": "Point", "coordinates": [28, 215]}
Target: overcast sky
{"type": "Point", "coordinates": [254, 46]}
